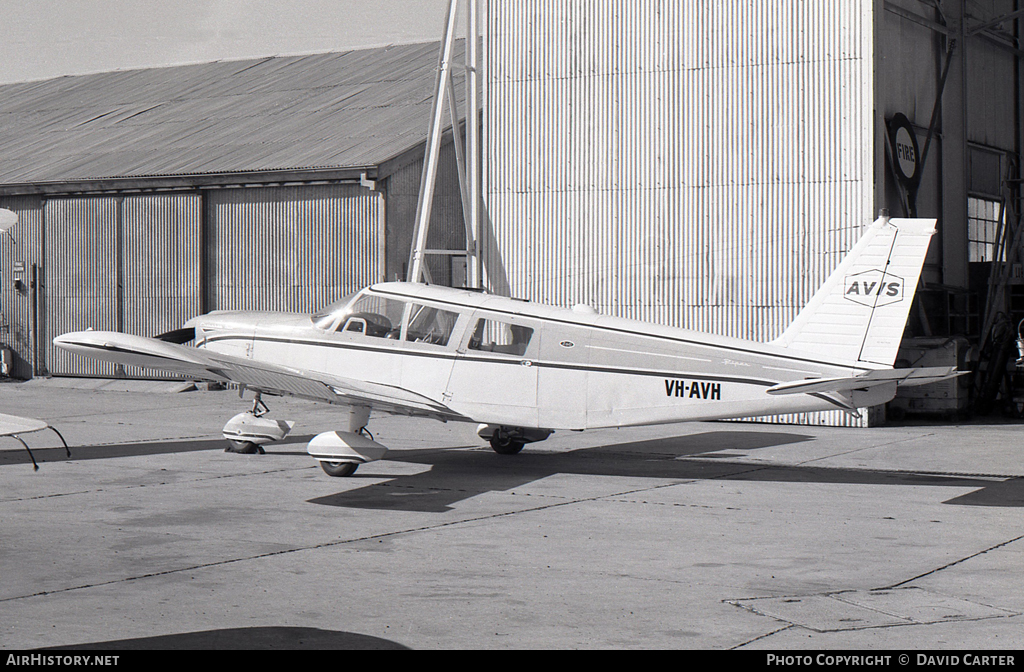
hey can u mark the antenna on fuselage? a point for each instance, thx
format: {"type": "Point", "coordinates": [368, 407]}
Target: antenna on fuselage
{"type": "Point", "coordinates": [467, 161]}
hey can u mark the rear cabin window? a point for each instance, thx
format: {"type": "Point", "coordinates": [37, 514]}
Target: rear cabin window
{"type": "Point", "coordinates": [501, 337]}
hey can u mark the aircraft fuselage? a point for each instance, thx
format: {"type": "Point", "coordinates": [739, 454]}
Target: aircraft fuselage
{"type": "Point", "coordinates": [512, 363]}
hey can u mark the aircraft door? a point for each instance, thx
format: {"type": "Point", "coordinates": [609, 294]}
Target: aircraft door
{"type": "Point", "coordinates": [494, 376]}
{"type": "Point", "coordinates": [428, 354]}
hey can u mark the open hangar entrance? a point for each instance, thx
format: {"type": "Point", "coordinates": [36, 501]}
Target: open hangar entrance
{"type": "Point", "coordinates": [948, 145]}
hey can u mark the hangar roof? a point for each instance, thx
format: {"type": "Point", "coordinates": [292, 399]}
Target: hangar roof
{"type": "Point", "coordinates": [346, 110]}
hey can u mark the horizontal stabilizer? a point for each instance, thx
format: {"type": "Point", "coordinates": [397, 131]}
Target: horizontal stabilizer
{"type": "Point", "coordinates": [902, 377]}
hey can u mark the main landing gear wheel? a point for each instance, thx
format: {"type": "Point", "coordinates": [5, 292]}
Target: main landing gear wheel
{"type": "Point", "coordinates": [339, 469]}
{"type": "Point", "coordinates": [506, 445]}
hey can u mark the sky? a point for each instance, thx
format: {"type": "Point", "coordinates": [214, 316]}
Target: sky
{"type": "Point", "coordinates": [40, 39]}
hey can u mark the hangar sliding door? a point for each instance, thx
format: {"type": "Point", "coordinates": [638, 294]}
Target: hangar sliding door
{"type": "Point", "coordinates": [80, 276]}
{"type": "Point", "coordinates": [143, 264]}
{"type": "Point", "coordinates": [696, 164]}
{"type": "Point", "coordinates": [118, 263]}
{"type": "Point", "coordinates": [292, 248]}
{"type": "Point", "coordinates": [160, 252]}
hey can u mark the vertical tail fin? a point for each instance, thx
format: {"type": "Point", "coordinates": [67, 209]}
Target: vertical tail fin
{"type": "Point", "coordinates": [860, 312]}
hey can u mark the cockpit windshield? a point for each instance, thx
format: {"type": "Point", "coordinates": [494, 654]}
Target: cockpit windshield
{"type": "Point", "coordinates": [326, 317]}
{"type": "Point", "coordinates": [372, 315]}
{"type": "Point", "coordinates": [367, 314]}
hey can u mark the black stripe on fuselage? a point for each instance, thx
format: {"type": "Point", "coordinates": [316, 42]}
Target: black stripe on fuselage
{"type": "Point", "coordinates": [496, 360]}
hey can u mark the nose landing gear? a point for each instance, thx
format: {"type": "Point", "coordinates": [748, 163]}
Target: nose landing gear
{"type": "Point", "coordinates": [248, 432]}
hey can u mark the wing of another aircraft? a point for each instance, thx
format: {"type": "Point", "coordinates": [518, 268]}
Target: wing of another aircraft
{"type": "Point", "coordinates": [15, 425]}
{"type": "Point", "coordinates": [257, 375]}
{"type": "Point", "coordinates": [11, 425]}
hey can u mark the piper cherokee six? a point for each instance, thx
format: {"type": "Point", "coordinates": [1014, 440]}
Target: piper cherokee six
{"type": "Point", "coordinates": [523, 370]}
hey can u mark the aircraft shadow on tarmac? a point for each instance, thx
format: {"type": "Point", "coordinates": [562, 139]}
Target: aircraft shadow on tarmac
{"type": "Point", "coordinates": [245, 639]}
{"type": "Point", "coordinates": [458, 474]}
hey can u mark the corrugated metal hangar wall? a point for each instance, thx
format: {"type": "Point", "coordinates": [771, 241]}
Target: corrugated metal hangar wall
{"type": "Point", "coordinates": [702, 165]}
{"type": "Point", "coordinates": [146, 263]}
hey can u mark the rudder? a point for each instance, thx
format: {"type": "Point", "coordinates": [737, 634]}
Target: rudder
{"type": "Point", "coordinates": [859, 314]}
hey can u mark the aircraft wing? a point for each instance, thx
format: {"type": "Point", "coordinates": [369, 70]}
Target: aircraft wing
{"type": "Point", "coordinates": [200, 364]}
{"type": "Point", "coordinates": [902, 377]}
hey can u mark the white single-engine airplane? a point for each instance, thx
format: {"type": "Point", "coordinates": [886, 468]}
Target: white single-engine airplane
{"type": "Point", "coordinates": [523, 370]}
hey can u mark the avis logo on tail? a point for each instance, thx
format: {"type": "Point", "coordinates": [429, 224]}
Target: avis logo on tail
{"type": "Point", "coordinates": [875, 288]}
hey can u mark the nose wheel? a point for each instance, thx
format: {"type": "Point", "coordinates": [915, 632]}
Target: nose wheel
{"type": "Point", "coordinates": [243, 447]}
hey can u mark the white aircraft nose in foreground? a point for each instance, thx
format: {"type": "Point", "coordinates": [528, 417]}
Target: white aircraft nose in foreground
{"type": "Point", "coordinates": [523, 370]}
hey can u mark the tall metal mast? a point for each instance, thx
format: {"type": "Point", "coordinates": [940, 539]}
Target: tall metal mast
{"type": "Point", "coordinates": [473, 151]}
{"type": "Point", "coordinates": [468, 162]}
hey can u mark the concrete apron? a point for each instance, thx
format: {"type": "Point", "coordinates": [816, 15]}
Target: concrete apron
{"type": "Point", "coordinates": [704, 535]}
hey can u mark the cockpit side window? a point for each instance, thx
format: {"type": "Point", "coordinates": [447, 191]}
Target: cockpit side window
{"type": "Point", "coordinates": [430, 325]}
{"type": "Point", "coordinates": [377, 316]}
{"type": "Point", "coordinates": [501, 337]}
